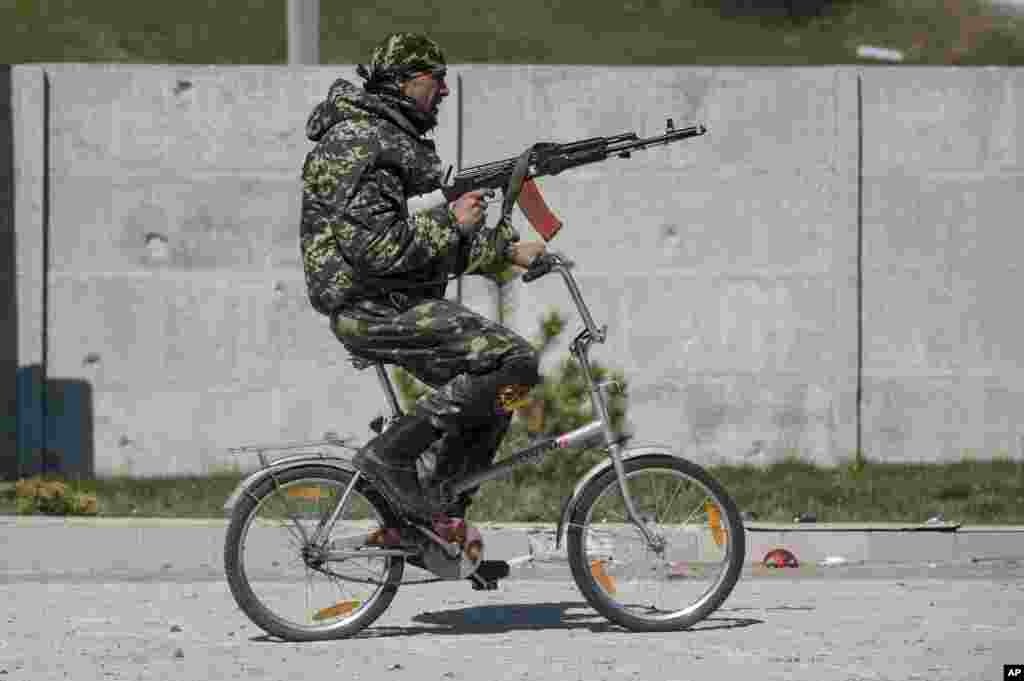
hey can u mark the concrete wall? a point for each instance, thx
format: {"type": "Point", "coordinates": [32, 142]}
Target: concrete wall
{"type": "Point", "coordinates": [726, 266]}
{"type": "Point", "coordinates": [176, 287]}
{"type": "Point", "coordinates": [944, 191]}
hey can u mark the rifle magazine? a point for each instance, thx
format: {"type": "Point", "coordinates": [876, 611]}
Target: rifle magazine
{"type": "Point", "coordinates": [536, 210]}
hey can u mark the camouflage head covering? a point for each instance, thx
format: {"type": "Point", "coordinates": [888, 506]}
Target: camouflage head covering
{"type": "Point", "coordinates": [396, 59]}
{"type": "Point", "coordinates": [399, 56]}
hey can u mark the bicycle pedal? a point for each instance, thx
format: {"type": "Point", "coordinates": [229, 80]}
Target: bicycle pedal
{"type": "Point", "coordinates": [490, 571]}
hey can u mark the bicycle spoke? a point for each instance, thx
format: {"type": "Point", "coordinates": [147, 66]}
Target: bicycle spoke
{"type": "Point", "coordinates": [339, 589]}
{"type": "Point", "coordinates": [298, 537]}
{"type": "Point", "coordinates": [639, 585]}
{"type": "Point", "coordinates": [633, 535]}
{"type": "Point", "coordinates": [654, 498]}
{"type": "Point", "coordinates": [679, 490]}
{"type": "Point", "coordinates": [693, 514]}
{"type": "Point", "coordinates": [309, 588]}
{"type": "Point", "coordinates": [292, 539]}
{"type": "Point", "coordinates": [275, 565]}
{"type": "Point", "coordinates": [304, 538]}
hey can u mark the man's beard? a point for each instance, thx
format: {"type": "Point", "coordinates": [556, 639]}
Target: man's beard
{"type": "Point", "coordinates": [425, 122]}
{"type": "Point", "coordinates": [410, 108]}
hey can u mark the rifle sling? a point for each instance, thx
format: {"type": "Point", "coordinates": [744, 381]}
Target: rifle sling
{"type": "Point", "coordinates": [515, 183]}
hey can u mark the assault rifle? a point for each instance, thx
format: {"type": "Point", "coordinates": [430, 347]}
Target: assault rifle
{"type": "Point", "coordinates": [514, 176]}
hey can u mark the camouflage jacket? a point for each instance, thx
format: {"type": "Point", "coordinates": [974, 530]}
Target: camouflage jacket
{"type": "Point", "coordinates": [358, 240]}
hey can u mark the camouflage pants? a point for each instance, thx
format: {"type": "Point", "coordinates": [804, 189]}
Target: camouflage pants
{"type": "Point", "coordinates": [479, 370]}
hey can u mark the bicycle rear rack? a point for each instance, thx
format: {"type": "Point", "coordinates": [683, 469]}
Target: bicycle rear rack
{"type": "Point", "coordinates": [294, 449]}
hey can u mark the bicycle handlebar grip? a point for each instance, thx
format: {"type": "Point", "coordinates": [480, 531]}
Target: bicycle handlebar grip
{"type": "Point", "coordinates": [538, 269]}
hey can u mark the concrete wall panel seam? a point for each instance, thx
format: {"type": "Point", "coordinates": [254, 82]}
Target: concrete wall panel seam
{"type": "Point", "coordinates": [8, 283]}
{"type": "Point", "coordinates": [27, 113]}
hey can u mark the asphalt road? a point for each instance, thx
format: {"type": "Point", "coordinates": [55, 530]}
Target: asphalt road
{"type": "Point", "coordinates": [929, 622]}
{"type": "Point", "coordinates": [139, 599]}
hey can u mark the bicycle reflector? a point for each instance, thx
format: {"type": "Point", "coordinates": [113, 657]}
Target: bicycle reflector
{"type": "Point", "coordinates": [602, 577]}
{"type": "Point", "coordinates": [779, 558]}
{"type": "Point", "coordinates": [308, 493]}
{"type": "Point", "coordinates": [715, 522]}
{"type": "Point", "coordinates": [343, 608]}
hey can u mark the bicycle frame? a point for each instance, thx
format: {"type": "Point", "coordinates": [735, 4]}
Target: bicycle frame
{"type": "Point", "coordinates": [588, 435]}
{"type": "Point", "coordinates": [580, 437]}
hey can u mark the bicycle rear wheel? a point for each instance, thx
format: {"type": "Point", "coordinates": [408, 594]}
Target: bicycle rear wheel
{"type": "Point", "coordinates": [273, 568]}
{"type": "Point", "coordinates": [665, 588]}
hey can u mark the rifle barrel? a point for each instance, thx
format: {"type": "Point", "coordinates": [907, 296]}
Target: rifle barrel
{"type": "Point", "coordinates": [569, 147]}
{"type": "Point", "coordinates": [667, 138]}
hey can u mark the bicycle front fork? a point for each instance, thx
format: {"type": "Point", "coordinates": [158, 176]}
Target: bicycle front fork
{"type": "Point", "coordinates": [599, 404]}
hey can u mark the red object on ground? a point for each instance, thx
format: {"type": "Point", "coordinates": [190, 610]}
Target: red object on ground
{"type": "Point", "coordinates": [780, 558]}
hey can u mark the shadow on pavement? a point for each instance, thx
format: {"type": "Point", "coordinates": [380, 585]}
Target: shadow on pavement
{"type": "Point", "coordinates": [500, 619]}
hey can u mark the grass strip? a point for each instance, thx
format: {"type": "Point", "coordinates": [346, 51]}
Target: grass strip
{"type": "Point", "coordinates": [968, 492]}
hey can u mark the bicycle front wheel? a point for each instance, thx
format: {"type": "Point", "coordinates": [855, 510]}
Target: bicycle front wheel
{"type": "Point", "coordinates": [694, 563]}
{"type": "Point", "coordinates": [288, 585]}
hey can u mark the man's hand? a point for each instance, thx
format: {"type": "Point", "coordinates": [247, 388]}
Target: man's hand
{"type": "Point", "coordinates": [522, 253]}
{"type": "Point", "coordinates": [469, 210]}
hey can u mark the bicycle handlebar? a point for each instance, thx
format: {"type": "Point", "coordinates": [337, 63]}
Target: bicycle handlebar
{"type": "Point", "coordinates": [541, 265]}
{"type": "Point", "coordinates": [552, 260]}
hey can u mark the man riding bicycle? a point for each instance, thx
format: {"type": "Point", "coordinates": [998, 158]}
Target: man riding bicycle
{"type": "Point", "coordinates": [380, 273]}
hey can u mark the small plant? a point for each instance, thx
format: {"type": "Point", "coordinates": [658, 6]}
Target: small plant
{"type": "Point", "coordinates": [560, 404]}
{"type": "Point", "coordinates": [52, 497]}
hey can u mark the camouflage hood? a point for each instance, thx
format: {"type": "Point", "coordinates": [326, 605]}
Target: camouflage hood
{"type": "Point", "coordinates": [346, 100]}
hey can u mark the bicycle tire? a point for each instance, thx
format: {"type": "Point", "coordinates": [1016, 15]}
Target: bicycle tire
{"type": "Point", "coordinates": [235, 568]}
{"type": "Point", "coordinates": [590, 582]}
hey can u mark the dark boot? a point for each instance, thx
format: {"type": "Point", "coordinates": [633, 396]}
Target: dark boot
{"type": "Point", "coordinates": [390, 460]}
{"type": "Point", "coordinates": [469, 450]}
